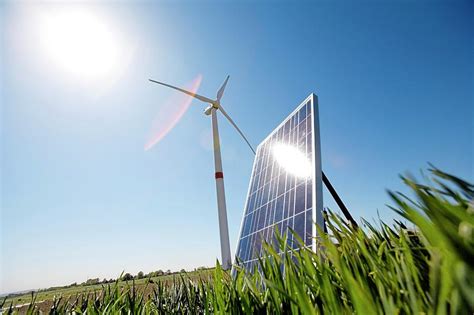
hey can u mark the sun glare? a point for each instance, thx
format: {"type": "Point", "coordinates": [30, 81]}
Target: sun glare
{"type": "Point", "coordinates": [79, 41]}
{"type": "Point", "coordinates": [292, 160]}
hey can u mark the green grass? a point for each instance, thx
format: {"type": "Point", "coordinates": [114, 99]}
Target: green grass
{"type": "Point", "coordinates": [425, 268]}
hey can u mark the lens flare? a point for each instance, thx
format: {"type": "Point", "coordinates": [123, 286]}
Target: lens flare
{"type": "Point", "coordinates": [171, 113]}
{"type": "Point", "coordinates": [292, 160]}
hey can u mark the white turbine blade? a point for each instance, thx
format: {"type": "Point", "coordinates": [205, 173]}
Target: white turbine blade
{"type": "Point", "coordinates": [221, 90]}
{"type": "Point", "coordinates": [199, 97]}
{"type": "Point", "coordinates": [237, 128]}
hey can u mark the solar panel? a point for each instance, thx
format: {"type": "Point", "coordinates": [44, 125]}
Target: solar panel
{"type": "Point", "coordinates": [285, 189]}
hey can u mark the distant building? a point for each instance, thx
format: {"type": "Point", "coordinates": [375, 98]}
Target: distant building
{"type": "Point", "coordinates": [285, 189]}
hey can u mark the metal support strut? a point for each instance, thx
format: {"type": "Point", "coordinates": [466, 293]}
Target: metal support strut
{"type": "Point", "coordinates": [339, 202]}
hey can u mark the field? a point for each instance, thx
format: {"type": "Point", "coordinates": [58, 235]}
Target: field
{"type": "Point", "coordinates": [426, 268]}
{"type": "Point", "coordinates": [44, 298]}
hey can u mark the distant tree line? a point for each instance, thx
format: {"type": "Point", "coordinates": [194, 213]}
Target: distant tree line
{"type": "Point", "coordinates": [140, 275]}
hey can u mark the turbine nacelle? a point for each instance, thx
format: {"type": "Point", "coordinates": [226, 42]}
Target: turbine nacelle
{"type": "Point", "coordinates": [214, 105]}
{"type": "Point", "coordinates": [208, 110]}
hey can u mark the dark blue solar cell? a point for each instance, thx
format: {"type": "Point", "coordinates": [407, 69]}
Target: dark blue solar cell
{"type": "Point", "coordinates": [254, 222]}
{"type": "Point", "coordinates": [251, 203]}
{"type": "Point", "coordinates": [309, 196]}
{"type": "Point", "coordinates": [284, 228]}
{"type": "Point", "coordinates": [244, 225]}
{"type": "Point", "coordinates": [243, 248]}
{"type": "Point", "coordinates": [261, 217]}
{"type": "Point", "coordinates": [309, 227]}
{"type": "Point", "coordinates": [291, 203]}
{"type": "Point", "coordinates": [279, 208]}
{"type": "Point", "coordinates": [299, 225]}
{"type": "Point", "coordinates": [300, 199]}
{"type": "Point", "coordinates": [302, 113]}
{"type": "Point", "coordinates": [247, 224]}
{"type": "Point", "coordinates": [258, 245]}
{"type": "Point", "coordinates": [270, 213]}
{"type": "Point", "coordinates": [266, 189]}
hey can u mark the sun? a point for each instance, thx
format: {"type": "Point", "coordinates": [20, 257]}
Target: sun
{"type": "Point", "coordinates": [79, 41]}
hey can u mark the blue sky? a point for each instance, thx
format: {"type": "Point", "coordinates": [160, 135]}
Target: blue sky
{"type": "Point", "coordinates": [80, 198]}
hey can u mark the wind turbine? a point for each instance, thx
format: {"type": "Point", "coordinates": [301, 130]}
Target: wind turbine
{"type": "Point", "coordinates": [214, 106]}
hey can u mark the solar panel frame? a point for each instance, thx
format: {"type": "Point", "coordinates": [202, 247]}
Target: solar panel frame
{"type": "Point", "coordinates": [260, 187]}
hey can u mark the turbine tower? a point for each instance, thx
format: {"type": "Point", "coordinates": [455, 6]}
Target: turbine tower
{"type": "Point", "coordinates": [214, 106]}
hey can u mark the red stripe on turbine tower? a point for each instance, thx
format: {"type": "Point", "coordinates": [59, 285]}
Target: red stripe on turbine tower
{"type": "Point", "coordinates": [219, 175]}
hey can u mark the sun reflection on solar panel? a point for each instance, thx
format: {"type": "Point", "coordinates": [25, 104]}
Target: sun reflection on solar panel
{"type": "Point", "coordinates": [292, 160]}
